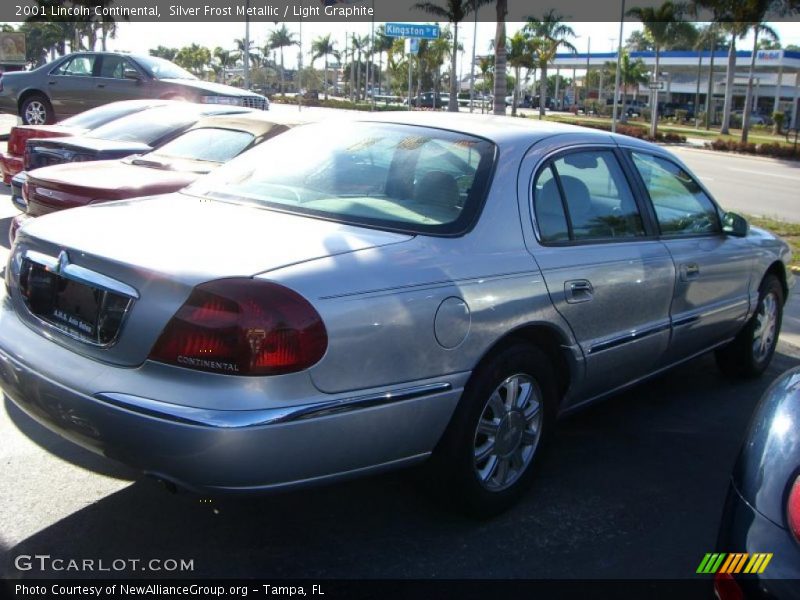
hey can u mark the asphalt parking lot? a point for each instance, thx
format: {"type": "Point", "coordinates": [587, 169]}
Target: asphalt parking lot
{"type": "Point", "coordinates": [632, 487]}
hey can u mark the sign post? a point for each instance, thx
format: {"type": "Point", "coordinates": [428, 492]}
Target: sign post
{"type": "Point", "coordinates": [413, 32]}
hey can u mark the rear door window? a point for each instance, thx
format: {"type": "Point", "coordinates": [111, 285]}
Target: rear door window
{"type": "Point", "coordinates": [587, 193]}
{"type": "Point", "coordinates": [80, 66]}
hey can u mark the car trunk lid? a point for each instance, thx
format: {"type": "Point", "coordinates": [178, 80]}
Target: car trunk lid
{"type": "Point", "coordinates": [160, 248]}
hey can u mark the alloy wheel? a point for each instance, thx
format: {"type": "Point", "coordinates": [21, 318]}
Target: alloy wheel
{"type": "Point", "coordinates": [766, 327]}
{"type": "Point", "coordinates": [508, 432]}
{"type": "Point", "coordinates": [35, 113]}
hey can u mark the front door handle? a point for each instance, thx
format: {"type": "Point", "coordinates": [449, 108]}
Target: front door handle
{"type": "Point", "coordinates": [51, 82]}
{"type": "Point", "coordinates": [578, 290]}
{"type": "Point", "coordinates": [101, 85]}
{"type": "Point", "coordinates": [690, 271]}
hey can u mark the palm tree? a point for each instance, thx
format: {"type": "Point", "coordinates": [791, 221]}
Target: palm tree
{"type": "Point", "coordinates": [548, 35]}
{"type": "Point", "coordinates": [661, 25]}
{"type": "Point", "coordinates": [519, 54]}
{"type": "Point", "coordinates": [758, 27]}
{"type": "Point", "coordinates": [322, 47]}
{"type": "Point", "coordinates": [632, 73]}
{"type": "Point", "coordinates": [729, 15]}
{"type": "Point", "coordinates": [454, 11]}
{"type": "Point", "coordinates": [383, 43]}
{"type": "Point", "coordinates": [251, 54]}
{"type": "Point", "coordinates": [281, 38]}
{"type": "Point", "coordinates": [360, 45]}
{"type": "Point", "coordinates": [436, 52]}
{"type": "Point", "coordinates": [223, 58]}
{"type": "Point", "coordinates": [501, 11]}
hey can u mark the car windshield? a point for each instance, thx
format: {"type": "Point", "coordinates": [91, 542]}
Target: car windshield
{"type": "Point", "coordinates": [101, 115]}
{"type": "Point", "coordinates": [390, 176]}
{"type": "Point", "coordinates": [163, 69]}
{"type": "Point", "coordinates": [148, 126]}
{"type": "Point", "coordinates": [210, 144]}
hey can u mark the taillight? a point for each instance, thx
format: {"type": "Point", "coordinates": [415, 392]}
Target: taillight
{"type": "Point", "coordinates": [243, 327]}
{"type": "Point", "coordinates": [726, 587]}
{"type": "Point", "coordinates": [793, 509]}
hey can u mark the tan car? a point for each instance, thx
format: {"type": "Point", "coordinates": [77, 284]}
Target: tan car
{"type": "Point", "coordinates": [82, 80]}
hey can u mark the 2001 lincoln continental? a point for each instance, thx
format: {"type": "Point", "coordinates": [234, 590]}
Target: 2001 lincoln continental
{"type": "Point", "coordinates": [360, 295]}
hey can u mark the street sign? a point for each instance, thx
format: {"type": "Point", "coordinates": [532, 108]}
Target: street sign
{"type": "Point", "coordinates": [656, 85]}
{"type": "Point", "coordinates": [412, 45]}
{"type": "Point", "coordinates": [412, 30]}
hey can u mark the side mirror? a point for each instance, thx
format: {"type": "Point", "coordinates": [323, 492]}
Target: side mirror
{"type": "Point", "coordinates": [735, 225]}
{"type": "Point", "coordinates": [132, 74]}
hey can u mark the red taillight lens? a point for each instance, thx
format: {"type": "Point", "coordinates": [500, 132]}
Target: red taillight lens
{"type": "Point", "coordinates": [20, 135]}
{"type": "Point", "coordinates": [243, 327]}
{"type": "Point", "coordinates": [793, 509]}
{"type": "Point", "coordinates": [726, 587]}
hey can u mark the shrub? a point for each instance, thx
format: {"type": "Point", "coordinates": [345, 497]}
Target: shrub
{"type": "Point", "coordinates": [777, 122]}
{"type": "Point", "coordinates": [771, 149]}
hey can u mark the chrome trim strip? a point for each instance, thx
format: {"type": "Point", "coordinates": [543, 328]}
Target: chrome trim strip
{"type": "Point", "coordinates": [628, 337]}
{"type": "Point", "coordinates": [237, 419]}
{"type": "Point", "coordinates": [61, 266]}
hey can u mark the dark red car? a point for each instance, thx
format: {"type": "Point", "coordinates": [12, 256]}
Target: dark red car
{"type": "Point", "coordinates": [11, 161]}
{"type": "Point", "coordinates": [211, 142]}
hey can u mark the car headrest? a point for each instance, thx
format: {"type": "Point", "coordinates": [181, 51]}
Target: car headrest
{"type": "Point", "coordinates": [438, 188]}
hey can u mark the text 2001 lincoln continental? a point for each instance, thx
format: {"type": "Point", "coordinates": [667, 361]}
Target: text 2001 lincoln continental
{"type": "Point", "coordinates": [361, 295]}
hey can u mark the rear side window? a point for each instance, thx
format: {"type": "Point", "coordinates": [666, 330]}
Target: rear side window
{"type": "Point", "coordinates": [585, 196]}
{"type": "Point", "coordinates": [682, 208]}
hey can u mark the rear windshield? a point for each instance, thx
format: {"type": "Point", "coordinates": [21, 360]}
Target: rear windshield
{"type": "Point", "coordinates": [147, 126]}
{"type": "Point", "coordinates": [208, 143]}
{"type": "Point", "coordinates": [397, 177]}
{"type": "Point", "coordinates": [101, 115]}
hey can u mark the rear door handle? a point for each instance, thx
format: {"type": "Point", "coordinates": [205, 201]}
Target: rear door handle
{"type": "Point", "coordinates": [578, 290]}
{"type": "Point", "coordinates": [690, 271]}
{"type": "Point", "coordinates": [101, 85]}
{"type": "Point", "coordinates": [51, 82]}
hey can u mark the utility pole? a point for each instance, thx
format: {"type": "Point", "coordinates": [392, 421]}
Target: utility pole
{"type": "Point", "coordinates": [615, 110]}
{"type": "Point", "coordinates": [247, 46]}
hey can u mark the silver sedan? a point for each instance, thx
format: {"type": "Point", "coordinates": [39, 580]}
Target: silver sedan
{"type": "Point", "coordinates": [361, 295]}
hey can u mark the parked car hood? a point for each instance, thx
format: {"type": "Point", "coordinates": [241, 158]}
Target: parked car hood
{"type": "Point", "coordinates": [192, 240]}
{"type": "Point", "coordinates": [210, 87]}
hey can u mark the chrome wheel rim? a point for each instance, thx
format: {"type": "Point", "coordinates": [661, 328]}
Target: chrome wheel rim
{"type": "Point", "coordinates": [35, 113]}
{"type": "Point", "coordinates": [766, 327]}
{"type": "Point", "coordinates": [508, 432]}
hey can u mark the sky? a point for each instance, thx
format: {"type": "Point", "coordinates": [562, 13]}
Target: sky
{"type": "Point", "coordinates": [141, 37]}
{"type": "Point", "coordinates": [130, 37]}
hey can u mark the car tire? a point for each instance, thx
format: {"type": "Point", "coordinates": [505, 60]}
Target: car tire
{"type": "Point", "coordinates": [484, 461]}
{"type": "Point", "coordinates": [37, 110]}
{"type": "Point", "coordinates": [750, 353]}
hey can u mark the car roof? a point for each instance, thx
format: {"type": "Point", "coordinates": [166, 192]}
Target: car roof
{"type": "Point", "coordinates": [498, 129]}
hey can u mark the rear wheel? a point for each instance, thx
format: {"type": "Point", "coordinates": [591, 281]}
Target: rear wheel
{"type": "Point", "coordinates": [751, 352]}
{"type": "Point", "coordinates": [485, 460]}
{"type": "Point", "coordinates": [36, 110]}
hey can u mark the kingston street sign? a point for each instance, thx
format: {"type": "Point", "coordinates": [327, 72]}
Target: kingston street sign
{"type": "Point", "coordinates": [412, 30]}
